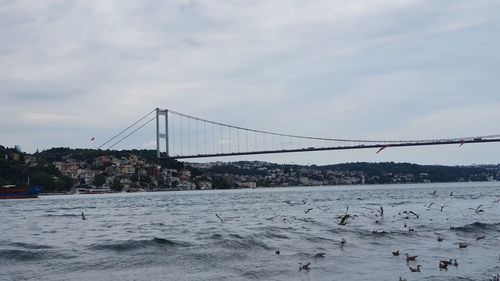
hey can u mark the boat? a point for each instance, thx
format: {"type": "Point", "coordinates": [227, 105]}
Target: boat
{"type": "Point", "coordinates": [13, 192]}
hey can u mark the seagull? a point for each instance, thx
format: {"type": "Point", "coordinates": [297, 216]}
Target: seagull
{"type": "Point", "coordinates": [219, 217]}
{"type": "Point", "coordinates": [320, 255]}
{"type": "Point", "coordinates": [277, 252]}
{"type": "Point", "coordinates": [415, 269]}
{"type": "Point", "coordinates": [305, 266]}
{"type": "Point", "coordinates": [402, 279]}
{"type": "Point", "coordinates": [450, 262]}
{"type": "Point", "coordinates": [434, 193]}
{"type": "Point", "coordinates": [440, 238]}
{"type": "Point", "coordinates": [480, 237]}
{"type": "Point", "coordinates": [416, 215]}
{"type": "Point", "coordinates": [462, 245]}
{"type": "Point", "coordinates": [478, 209]}
{"type": "Point", "coordinates": [451, 193]}
{"type": "Point", "coordinates": [410, 258]}
{"type": "Point", "coordinates": [455, 263]}
{"type": "Point", "coordinates": [342, 242]}
{"type": "Point", "coordinates": [428, 207]}
{"type": "Point", "coordinates": [83, 216]}
{"type": "Point", "coordinates": [442, 207]}
{"type": "Point", "coordinates": [346, 216]}
{"type": "Point", "coordinates": [395, 253]}
{"type": "Point", "coordinates": [443, 265]}
{"type": "Point", "coordinates": [308, 210]}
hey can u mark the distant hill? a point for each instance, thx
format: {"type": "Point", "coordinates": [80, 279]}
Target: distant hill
{"type": "Point", "coordinates": [16, 167]}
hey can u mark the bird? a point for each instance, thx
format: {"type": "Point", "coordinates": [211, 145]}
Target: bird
{"type": "Point", "coordinates": [442, 207]}
{"type": "Point", "coordinates": [83, 216]}
{"type": "Point", "coordinates": [308, 210]}
{"type": "Point", "coordinates": [416, 215]}
{"type": "Point", "coordinates": [462, 245]}
{"type": "Point", "coordinates": [447, 262]}
{"type": "Point", "coordinates": [342, 242]}
{"type": "Point", "coordinates": [343, 221]}
{"type": "Point", "coordinates": [417, 269]}
{"type": "Point", "coordinates": [305, 266]}
{"type": "Point", "coordinates": [455, 263]}
{"type": "Point", "coordinates": [451, 194]}
{"type": "Point", "coordinates": [402, 279]}
{"type": "Point", "coordinates": [396, 253]}
{"type": "Point", "coordinates": [434, 193]}
{"type": "Point", "coordinates": [440, 239]}
{"type": "Point", "coordinates": [480, 237]}
{"type": "Point", "coordinates": [428, 207]}
{"type": "Point", "coordinates": [320, 255]}
{"type": "Point", "coordinates": [443, 265]}
{"type": "Point", "coordinates": [478, 209]}
{"type": "Point", "coordinates": [410, 258]}
{"type": "Point", "coordinates": [219, 217]}
{"type": "Point", "coordinates": [277, 252]}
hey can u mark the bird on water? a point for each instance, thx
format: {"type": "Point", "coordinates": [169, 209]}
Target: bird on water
{"type": "Point", "coordinates": [410, 258]}
{"type": "Point", "coordinates": [417, 269]}
{"type": "Point", "coordinates": [305, 266]}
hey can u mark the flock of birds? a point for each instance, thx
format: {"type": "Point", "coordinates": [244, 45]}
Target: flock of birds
{"type": "Point", "coordinates": [346, 216]}
{"type": "Point", "coordinates": [442, 264]}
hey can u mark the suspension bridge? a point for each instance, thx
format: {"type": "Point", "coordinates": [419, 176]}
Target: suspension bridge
{"type": "Point", "coordinates": [182, 136]}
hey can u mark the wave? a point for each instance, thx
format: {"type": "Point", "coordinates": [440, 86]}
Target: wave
{"type": "Point", "coordinates": [477, 227]}
{"type": "Point", "coordinates": [64, 215]}
{"type": "Point", "coordinates": [128, 245]}
{"type": "Point", "coordinates": [239, 242]}
{"type": "Point", "coordinates": [29, 246]}
{"type": "Point", "coordinates": [29, 255]}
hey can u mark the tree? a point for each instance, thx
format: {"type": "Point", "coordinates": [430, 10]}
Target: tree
{"type": "Point", "coordinates": [117, 185]}
{"type": "Point", "coordinates": [99, 180]}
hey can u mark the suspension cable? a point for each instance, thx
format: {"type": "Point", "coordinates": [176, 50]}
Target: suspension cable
{"type": "Point", "coordinates": [140, 127]}
{"type": "Point", "coordinates": [126, 129]}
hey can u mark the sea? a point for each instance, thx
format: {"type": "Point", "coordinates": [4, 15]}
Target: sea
{"type": "Point", "coordinates": [256, 234]}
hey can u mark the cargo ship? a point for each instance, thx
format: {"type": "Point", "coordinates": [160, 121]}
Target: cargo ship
{"type": "Point", "coordinates": [13, 192]}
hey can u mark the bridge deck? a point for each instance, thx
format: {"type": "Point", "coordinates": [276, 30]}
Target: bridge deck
{"type": "Point", "coordinates": [334, 148]}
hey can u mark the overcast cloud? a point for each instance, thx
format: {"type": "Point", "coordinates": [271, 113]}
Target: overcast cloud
{"type": "Point", "coordinates": [71, 70]}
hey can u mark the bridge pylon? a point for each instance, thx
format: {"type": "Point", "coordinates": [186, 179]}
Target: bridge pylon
{"type": "Point", "coordinates": [162, 133]}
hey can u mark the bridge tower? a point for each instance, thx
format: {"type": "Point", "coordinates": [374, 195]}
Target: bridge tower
{"type": "Point", "coordinates": [162, 133]}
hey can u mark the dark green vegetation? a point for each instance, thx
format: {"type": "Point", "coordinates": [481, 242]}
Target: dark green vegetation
{"type": "Point", "coordinates": [16, 167]}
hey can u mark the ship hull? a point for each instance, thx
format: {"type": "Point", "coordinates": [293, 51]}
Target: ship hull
{"type": "Point", "coordinates": [19, 193]}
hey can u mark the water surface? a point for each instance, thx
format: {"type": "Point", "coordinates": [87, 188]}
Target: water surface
{"type": "Point", "coordinates": [177, 236]}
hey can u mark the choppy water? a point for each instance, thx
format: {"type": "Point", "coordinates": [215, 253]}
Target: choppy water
{"type": "Point", "coordinates": [176, 235]}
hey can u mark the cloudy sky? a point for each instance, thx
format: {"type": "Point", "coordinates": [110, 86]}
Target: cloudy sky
{"type": "Point", "coordinates": [369, 69]}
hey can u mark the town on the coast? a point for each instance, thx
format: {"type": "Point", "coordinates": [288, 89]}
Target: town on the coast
{"type": "Point", "coordinates": [65, 170]}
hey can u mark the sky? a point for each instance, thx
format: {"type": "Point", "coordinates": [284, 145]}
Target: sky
{"type": "Point", "coordinates": [365, 69]}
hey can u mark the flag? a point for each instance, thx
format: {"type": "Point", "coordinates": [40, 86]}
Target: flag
{"type": "Point", "coordinates": [92, 139]}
